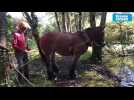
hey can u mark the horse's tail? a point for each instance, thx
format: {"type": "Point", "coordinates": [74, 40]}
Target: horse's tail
{"type": "Point", "coordinates": [37, 39]}
{"type": "Point", "coordinates": [42, 53]}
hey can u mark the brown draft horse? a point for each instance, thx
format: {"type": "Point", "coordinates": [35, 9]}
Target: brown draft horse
{"type": "Point", "coordinates": [68, 44]}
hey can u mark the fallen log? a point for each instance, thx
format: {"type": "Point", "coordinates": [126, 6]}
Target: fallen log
{"type": "Point", "coordinates": [101, 69]}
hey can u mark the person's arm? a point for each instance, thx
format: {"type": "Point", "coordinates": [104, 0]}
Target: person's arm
{"type": "Point", "coordinates": [28, 48]}
{"type": "Point", "coordinates": [27, 44]}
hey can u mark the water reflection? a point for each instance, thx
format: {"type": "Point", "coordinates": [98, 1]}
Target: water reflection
{"type": "Point", "coordinates": [122, 67]}
{"type": "Point", "coordinates": [127, 76]}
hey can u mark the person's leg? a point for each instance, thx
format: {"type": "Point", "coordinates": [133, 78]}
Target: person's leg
{"type": "Point", "coordinates": [26, 69]}
{"type": "Point", "coordinates": [19, 58]}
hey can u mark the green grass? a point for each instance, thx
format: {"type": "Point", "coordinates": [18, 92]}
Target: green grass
{"type": "Point", "coordinates": [42, 82]}
{"type": "Point", "coordinates": [86, 56]}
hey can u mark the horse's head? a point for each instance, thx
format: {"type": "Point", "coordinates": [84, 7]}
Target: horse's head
{"type": "Point", "coordinates": [96, 35]}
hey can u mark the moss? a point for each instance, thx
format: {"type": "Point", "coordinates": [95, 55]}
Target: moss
{"type": "Point", "coordinates": [40, 81]}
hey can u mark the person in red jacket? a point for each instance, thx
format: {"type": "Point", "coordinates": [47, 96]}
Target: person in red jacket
{"type": "Point", "coordinates": [20, 47]}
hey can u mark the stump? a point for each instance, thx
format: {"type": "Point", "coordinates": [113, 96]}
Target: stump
{"type": "Point", "coordinates": [4, 64]}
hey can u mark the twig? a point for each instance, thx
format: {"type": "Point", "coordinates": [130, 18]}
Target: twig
{"type": "Point", "coordinates": [30, 83]}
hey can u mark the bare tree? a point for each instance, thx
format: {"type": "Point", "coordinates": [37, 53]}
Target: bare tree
{"type": "Point", "coordinates": [58, 24]}
{"type": "Point", "coordinates": [103, 19]}
{"type": "Point", "coordinates": [3, 28]}
{"type": "Point", "coordinates": [80, 18]}
{"type": "Point", "coordinates": [102, 24]}
{"type": "Point", "coordinates": [97, 50]}
{"type": "Point", "coordinates": [33, 22]}
{"type": "Point", "coordinates": [63, 22]}
{"type": "Point", "coordinates": [92, 19]}
{"type": "Point", "coordinates": [93, 24]}
{"type": "Point", "coordinates": [76, 21]}
{"type": "Point", "coordinates": [3, 50]}
{"type": "Point", "coordinates": [68, 22]}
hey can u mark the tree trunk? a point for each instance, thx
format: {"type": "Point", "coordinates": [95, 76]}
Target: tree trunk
{"type": "Point", "coordinates": [72, 22]}
{"type": "Point", "coordinates": [76, 22]}
{"type": "Point", "coordinates": [63, 22]}
{"type": "Point", "coordinates": [3, 53]}
{"type": "Point", "coordinates": [94, 57]}
{"type": "Point", "coordinates": [3, 28]}
{"type": "Point", "coordinates": [97, 51]}
{"type": "Point", "coordinates": [92, 19]}
{"type": "Point", "coordinates": [80, 18]}
{"type": "Point", "coordinates": [58, 24]}
{"type": "Point", "coordinates": [33, 22]}
{"type": "Point", "coordinates": [102, 24]}
{"type": "Point", "coordinates": [93, 24]}
{"type": "Point", "coordinates": [103, 19]}
{"type": "Point", "coordinates": [84, 19]}
{"type": "Point", "coordinates": [68, 22]}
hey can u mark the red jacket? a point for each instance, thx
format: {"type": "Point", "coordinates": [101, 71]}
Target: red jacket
{"type": "Point", "coordinates": [19, 42]}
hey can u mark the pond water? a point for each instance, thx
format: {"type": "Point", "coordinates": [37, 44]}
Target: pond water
{"type": "Point", "coordinates": [127, 76]}
{"type": "Point", "coordinates": [123, 67]}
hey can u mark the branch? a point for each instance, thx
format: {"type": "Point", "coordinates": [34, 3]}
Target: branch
{"type": "Point", "coordinates": [32, 20]}
{"type": "Point", "coordinates": [27, 16]}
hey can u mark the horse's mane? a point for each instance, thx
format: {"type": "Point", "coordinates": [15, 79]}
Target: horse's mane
{"type": "Point", "coordinates": [89, 32]}
{"type": "Point", "coordinates": [92, 28]}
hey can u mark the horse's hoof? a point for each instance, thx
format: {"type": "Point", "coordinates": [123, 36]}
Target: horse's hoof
{"type": "Point", "coordinates": [51, 77]}
{"type": "Point", "coordinates": [72, 76]}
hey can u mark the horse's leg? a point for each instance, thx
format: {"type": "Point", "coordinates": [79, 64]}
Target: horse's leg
{"type": "Point", "coordinates": [47, 60]}
{"type": "Point", "coordinates": [54, 66]}
{"type": "Point", "coordinates": [73, 66]}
